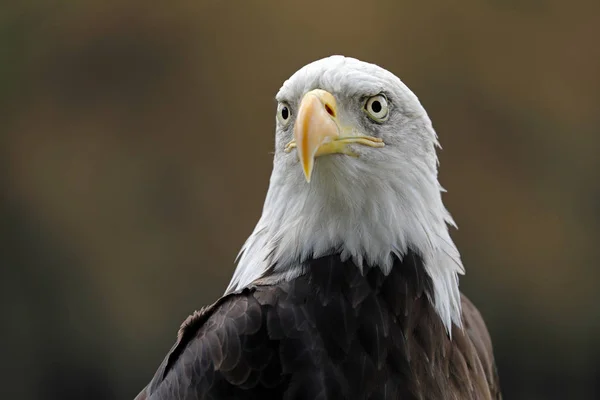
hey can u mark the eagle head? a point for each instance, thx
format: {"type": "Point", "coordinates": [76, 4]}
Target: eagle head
{"type": "Point", "coordinates": [355, 174]}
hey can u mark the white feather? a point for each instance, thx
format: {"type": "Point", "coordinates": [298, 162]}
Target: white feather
{"type": "Point", "coordinates": [368, 208]}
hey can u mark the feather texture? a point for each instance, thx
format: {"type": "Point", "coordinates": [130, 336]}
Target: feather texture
{"type": "Point", "coordinates": [368, 209]}
{"type": "Point", "coordinates": [331, 333]}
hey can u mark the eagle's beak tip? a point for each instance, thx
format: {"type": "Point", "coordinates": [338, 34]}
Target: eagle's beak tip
{"type": "Point", "coordinates": [307, 172]}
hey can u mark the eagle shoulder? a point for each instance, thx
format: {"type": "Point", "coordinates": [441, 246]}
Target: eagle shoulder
{"type": "Point", "coordinates": [210, 358]}
{"type": "Point", "coordinates": [331, 333]}
{"type": "Point", "coordinates": [479, 336]}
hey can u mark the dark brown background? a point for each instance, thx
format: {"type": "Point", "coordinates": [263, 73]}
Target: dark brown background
{"type": "Point", "coordinates": [134, 156]}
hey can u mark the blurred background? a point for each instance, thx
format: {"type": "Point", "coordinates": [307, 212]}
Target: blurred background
{"type": "Point", "coordinates": [135, 144]}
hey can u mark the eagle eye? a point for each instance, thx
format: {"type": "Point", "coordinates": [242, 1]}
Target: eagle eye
{"type": "Point", "coordinates": [284, 113]}
{"type": "Point", "coordinates": [377, 108]}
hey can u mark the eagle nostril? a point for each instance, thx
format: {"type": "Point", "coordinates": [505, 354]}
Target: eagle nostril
{"type": "Point", "coordinates": [329, 110]}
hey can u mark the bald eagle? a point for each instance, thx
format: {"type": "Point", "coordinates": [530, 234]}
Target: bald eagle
{"type": "Point", "coordinates": [348, 286]}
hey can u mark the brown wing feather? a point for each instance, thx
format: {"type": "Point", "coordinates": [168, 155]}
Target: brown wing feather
{"type": "Point", "coordinates": [477, 331]}
{"type": "Point", "coordinates": [329, 334]}
{"type": "Point", "coordinates": [186, 333]}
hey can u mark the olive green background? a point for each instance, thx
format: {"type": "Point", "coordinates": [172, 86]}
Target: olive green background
{"type": "Point", "coordinates": [135, 142]}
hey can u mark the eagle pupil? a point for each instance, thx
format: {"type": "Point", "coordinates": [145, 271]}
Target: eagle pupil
{"type": "Point", "coordinates": [376, 106]}
{"type": "Point", "coordinates": [285, 113]}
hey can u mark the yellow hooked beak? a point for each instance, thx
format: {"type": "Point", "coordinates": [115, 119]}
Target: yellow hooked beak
{"type": "Point", "coordinates": [317, 131]}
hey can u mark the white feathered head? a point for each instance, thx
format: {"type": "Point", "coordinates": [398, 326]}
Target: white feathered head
{"type": "Point", "coordinates": [354, 173]}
